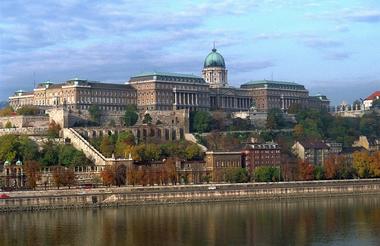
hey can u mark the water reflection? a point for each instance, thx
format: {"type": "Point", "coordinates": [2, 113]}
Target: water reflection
{"type": "Point", "coordinates": [333, 221]}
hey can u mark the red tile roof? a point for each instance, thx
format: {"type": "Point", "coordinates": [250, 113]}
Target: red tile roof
{"type": "Point", "coordinates": [373, 96]}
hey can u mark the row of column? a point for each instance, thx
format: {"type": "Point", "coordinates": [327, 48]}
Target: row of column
{"type": "Point", "coordinates": [232, 102]}
{"type": "Point", "coordinates": [286, 102]}
{"type": "Point", "coordinates": [184, 98]}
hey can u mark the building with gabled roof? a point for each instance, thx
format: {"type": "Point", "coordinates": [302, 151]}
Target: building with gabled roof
{"type": "Point", "coordinates": [314, 152]}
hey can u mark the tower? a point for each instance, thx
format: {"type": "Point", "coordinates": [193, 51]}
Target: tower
{"type": "Point", "coordinates": [214, 70]}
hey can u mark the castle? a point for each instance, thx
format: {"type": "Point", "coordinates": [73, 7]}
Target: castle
{"type": "Point", "coordinates": [171, 91]}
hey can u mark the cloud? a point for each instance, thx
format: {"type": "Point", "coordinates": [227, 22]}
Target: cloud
{"type": "Point", "coordinates": [363, 16]}
{"type": "Point", "coordinates": [249, 66]}
{"type": "Point", "coordinates": [352, 15]}
{"type": "Point", "coordinates": [337, 56]}
{"type": "Point", "coordinates": [321, 43]}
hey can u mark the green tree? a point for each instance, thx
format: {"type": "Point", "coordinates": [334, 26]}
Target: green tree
{"type": "Point", "coordinates": [201, 121]}
{"type": "Point", "coordinates": [193, 151]}
{"type": "Point", "coordinates": [106, 147]}
{"type": "Point", "coordinates": [124, 140]}
{"type": "Point", "coordinates": [130, 116]}
{"type": "Point", "coordinates": [50, 154]}
{"type": "Point", "coordinates": [236, 175]}
{"type": "Point", "coordinates": [95, 113]}
{"type": "Point", "coordinates": [27, 110]}
{"type": "Point", "coordinates": [275, 119]}
{"type": "Point", "coordinates": [147, 119]}
{"type": "Point", "coordinates": [319, 173]}
{"type": "Point", "coordinates": [8, 147]}
{"type": "Point", "coordinates": [8, 124]}
{"type": "Point", "coordinates": [28, 149]}
{"type": "Point", "coordinates": [376, 103]}
{"type": "Point", "coordinates": [267, 174]}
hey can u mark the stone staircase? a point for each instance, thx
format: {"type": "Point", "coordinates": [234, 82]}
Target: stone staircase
{"type": "Point", "coordinates": [80, 143]}
{"type": "Point", "coordinates": [191, 138]}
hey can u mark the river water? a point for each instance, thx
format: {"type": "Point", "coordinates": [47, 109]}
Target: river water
{"type": "Point", "coordinates": [323, 221]}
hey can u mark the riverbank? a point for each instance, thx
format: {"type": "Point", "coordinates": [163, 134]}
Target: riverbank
{"type": "Point", "coordinates": [126, 196]}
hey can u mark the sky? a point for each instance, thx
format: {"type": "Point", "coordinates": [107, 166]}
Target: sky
{"type": "Point", "coordinates": [330, 46]}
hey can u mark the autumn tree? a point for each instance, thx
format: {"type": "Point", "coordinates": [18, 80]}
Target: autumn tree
{"type": "Point", "coordinates": [108, 175]}
{"type": "Point", "coordinates": [362, 162]}
{"type": "Point", "coordinates": [106, 147]}
{"type": "Point", "coordinates": [375, 166]}
{"type": "Point", "coordinates": [193, 151]}
{"type": "Point", "coordinates": [170, 170]}
{"type": "Point", "coordinates": [120, 175]}
{"type": "Point", "coordinates": [32, 173]}
{"type": "Point", "coordinates": [7, 111]}
{"type": "Point", "coordinates": [331, 168]}
{"type": "Point", "coordinates": [305, 171]}
{"type": "Point", "coordinates": [58, 176]}
{"type": "Point", "coordinates": [53, 130]}
{"type": "Point", "coordinates": [69, 178]}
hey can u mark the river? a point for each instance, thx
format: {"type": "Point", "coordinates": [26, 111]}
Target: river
{"type": "Point", "coordinates": [323, 221]}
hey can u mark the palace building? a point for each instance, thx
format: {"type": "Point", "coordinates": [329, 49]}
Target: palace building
{"type": "Point", "coordinates": [171, 91]}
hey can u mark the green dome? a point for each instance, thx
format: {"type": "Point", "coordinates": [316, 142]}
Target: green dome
{"type": "Point", "coordinates": [214, 59]}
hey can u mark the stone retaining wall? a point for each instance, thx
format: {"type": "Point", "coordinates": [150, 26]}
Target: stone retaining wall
{"type": "Point", "coordinates": [105, 197]}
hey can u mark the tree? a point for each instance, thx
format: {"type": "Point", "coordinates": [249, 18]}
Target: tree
{"type": "Point", "coordinates": [7, 111]}
{"type": "Point", "coordinates": [27, 110]}
{"type": "Point", "coordinates": [362, 162]}
{"type": "Point", "coordinates": [267, 174]}
{"type": "Point", "coordinates": [305, 171]}
{"type": "Point", "coordinates": [170, 170]}
{"type": "Point", "coordinates": [50, 154]}
{"type": "Point", "coordinates": [319, 173]}
{"type": "Point", "coordinates": [53, 130]}
{"type": "Point", "coordinates": [130, 116]}
{"type": "Point", "coordinates": [331, 169]}
{"type": "Point", "coordinates": [147, 119]}
{"type": "Point", "coordinates": [193, 151]}
{"type": "Point", "coordinates": [376, 103]}
{"type": "Point", "coordinates": [375, 165]}
{"type": "Point", "coordinates": [8, 147]}
{"type": "Point", "coordinates": [120, 175]}
{"type": "Point", "coordinates": [95, 113]}
{"type": "Point", "coordinates": [68, 177]}
{"type": "Point", "coordinates": [28, 149]}
{"type": "Point", "coordinates": [106, 147]}
{"type": "Point", "coordinates": [68, 156]}
{"type": "Point", "coordinates": [201, 121]}
{"type": "Point", "coordinates": [124, 140]}
{"type": "Point", "coordinates": [236, 175]}
{"type": "Point", "coordinates": [108, 175]}
{"type": "Point", "coordinates": [275, 119]}
{"type": "Point", "coordinates": [58, 176]}
{"type": "Point", "coordinates": [32, 173]}
{"type": "Point", "coordinates": [8, 124]}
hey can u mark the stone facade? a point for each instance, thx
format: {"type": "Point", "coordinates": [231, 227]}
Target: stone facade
{"type": "Point", "coordinates": [77, 94]}
{"type": "Point", "coordinates": [370, 144]}
{"type": "Point", "coordinates": [19, 121]}
{"type": "Point", "coordinates": [218, 162]}
{"type": "Point", "coordinates": [261, 154]}
{"type": "Point", "coordinates": [171, 91]}
{"type": "Point", "coordinates": [313, 152]}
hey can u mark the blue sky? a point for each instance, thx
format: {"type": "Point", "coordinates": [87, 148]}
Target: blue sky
{"type": "Point", "coordinates": [330, 46]}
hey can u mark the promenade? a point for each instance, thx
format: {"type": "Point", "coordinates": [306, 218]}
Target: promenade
{"type": "Point", "coordinates": [128, 195]}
